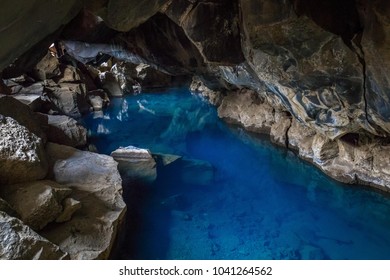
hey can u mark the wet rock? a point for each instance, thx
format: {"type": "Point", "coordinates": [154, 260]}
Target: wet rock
{"type": "Point", "coordinates": [65, 131]}
{"type": "Point", "coordinates": [96, 183]}
{"type": "Point", "coordinates": [136, 164]}
{"type": "Point", "coordinates": [19, 242]}
{"type": "Point", "coordinates": [37, 203]}
{"type": "Point", "coordinates": [196, 172]}
{"type": "Point", "coordinates": [22, 155]}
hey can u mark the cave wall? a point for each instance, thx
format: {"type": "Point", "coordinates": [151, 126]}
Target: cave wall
{"type": "Point", "coordinates": [325, 61]}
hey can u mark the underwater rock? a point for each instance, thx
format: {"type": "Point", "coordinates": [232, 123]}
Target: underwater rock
{"type": "Point", "coordinates": [37, 203]}
{"type": "Point", "coordinates": [136, 164]}
{"type": "Point", "coordinates": [95, 182]}
{"type": "Point", "coordinates": [19, 242]}
{"type": "Point", "coordinates": [5, 207]}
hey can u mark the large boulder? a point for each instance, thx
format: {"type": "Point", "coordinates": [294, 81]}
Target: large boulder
{"type": "Point", "coordinates": [65, 131]}
{"type": "Point", "coordinates": [136, 164]}
{"type": "Point", "coordinates": [22, 154]}
{"type": "Point", "coordinates": [22, 113]}
{"type": "Point", "coordinates": [96, 183]}
{"type": "Point", "coordinates": [19, 242]}
{"type": "Point", "coordinates": [37, 203]}
{"type": "Point", "coordinates": [69, 98]}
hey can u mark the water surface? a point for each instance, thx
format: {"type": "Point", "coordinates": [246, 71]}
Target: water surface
{"type": "Point", "coordinates": [262, 203]}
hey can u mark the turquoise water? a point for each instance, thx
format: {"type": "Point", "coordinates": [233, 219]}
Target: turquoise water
{"type": "Point", "coordinates": [262, 202]}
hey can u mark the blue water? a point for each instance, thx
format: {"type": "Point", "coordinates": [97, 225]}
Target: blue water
{"type": "Point", "coordinates": [263, 202]}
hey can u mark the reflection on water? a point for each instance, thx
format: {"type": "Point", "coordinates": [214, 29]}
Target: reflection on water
{"type": "Point", "coordinates": [262, 203]}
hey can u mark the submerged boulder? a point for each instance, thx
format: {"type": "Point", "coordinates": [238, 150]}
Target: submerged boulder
{"type": "Point", "coordinates": [136, 164]}
{"type": "Point", "coordinates": [19, 242]}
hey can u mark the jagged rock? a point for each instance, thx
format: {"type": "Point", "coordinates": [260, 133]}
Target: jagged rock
{"type": "Point", "coordinates": [196, 172]}
{"type": "Point", "coordinates": [324, 149]}
{"type": "Point", "coordinates": [23, 114]}
{"type": "Point", "coordinates": [212, 26]}
{"type": "Point", "coordinates": [19, 242]}
{"type": "Point", "coordinates": [22, 155]}
{"type": "Point", "coordinates": [295, 58]}
{"type": "Point", "coordinates": [300, 137]}
{"type": "Point", "coordinates": [69, 99]}
{"type": "Point", "coordinates": [111, 85]}
{"type": "Point", "coordinates": [26, 88]}
{"type": "Point", "coordinates": [243, 108]}
{"type": "Point", "coordinates": [96, 183]}
{"type": "Point", "coordinates": [150, 78]}
{"type": "Point", "coordinates": [96, 102]}
{"type": "Point", "coordinates": [65, 131]}
{"type": "Point", "coordinates": [68, 74]}
{"type": "Point", "coordinates": [48, 67]}
{"type": "Point", "coordinates": [280, 127]}
{"type": "Point", "coordinates": [70, 206]}
{"type": "Point", "coordinates": [37, 203]}
{"type": "Point", "coordinates": [212, 96]}
{"type": "Point", "coordinates": [34, 101]}
{"type": "Point", "coordinates": [136, 164]}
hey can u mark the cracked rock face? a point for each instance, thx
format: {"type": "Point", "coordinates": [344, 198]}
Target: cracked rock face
{"type": "Point", "coordinates": [19, 242]}
{"type": "Point", "coordinates": [22, 155]}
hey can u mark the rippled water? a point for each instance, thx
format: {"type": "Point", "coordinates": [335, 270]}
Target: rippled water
{"type": "Point", "coordinates": [262, 203]}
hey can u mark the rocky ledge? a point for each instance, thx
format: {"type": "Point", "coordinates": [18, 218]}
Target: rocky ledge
{"type": "Point", "coordinates": [352, 159]}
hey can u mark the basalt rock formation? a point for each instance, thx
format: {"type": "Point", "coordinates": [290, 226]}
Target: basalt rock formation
{"type": "Point", "coordinates": [311, 75]}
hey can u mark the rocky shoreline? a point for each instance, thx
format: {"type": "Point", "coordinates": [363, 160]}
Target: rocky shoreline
{"type": "Point", "coordinates": [354, 159]}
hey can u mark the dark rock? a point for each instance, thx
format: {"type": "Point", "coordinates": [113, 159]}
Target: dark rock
{"type": "Point", "coordinates": [36, 19]}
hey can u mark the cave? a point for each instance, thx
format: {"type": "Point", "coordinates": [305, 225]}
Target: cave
{"type": "Point", "coordinates": [195, 130]}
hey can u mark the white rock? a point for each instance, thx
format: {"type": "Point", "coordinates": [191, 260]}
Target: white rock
{"type": "Point", "coordinates": [96, 183]}
{"type": "Point", "coordinates": [22, 155]}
